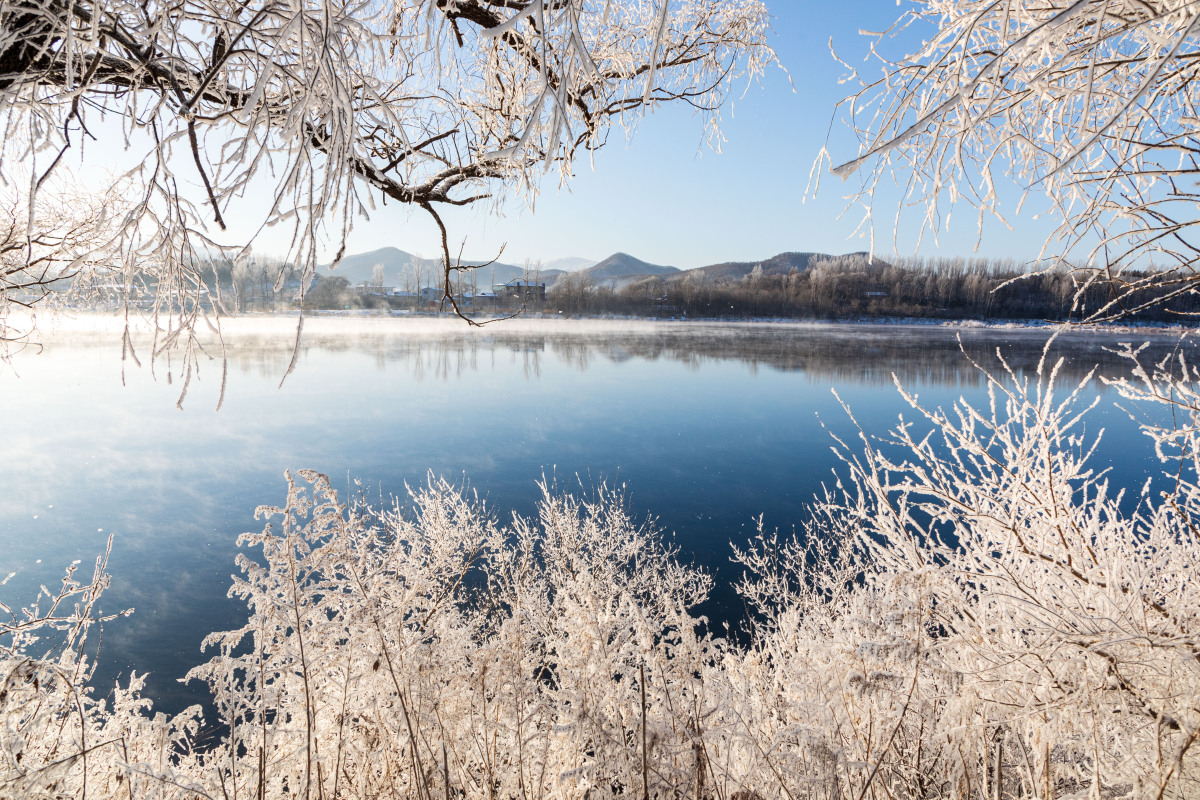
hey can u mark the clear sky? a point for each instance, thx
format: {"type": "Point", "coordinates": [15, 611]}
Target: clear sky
{"type": "Point", "coordinates": [668, 199]}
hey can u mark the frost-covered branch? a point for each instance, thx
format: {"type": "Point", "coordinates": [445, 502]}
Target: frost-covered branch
{"type": "Point", "coordinates": [334, 105]}
{"type": "Point", "coordinates": [1089, 103]}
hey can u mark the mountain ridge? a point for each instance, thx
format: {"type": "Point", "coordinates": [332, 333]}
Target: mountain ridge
{"type": "Point", "coordinates": [778, 264]}
{"type": "Point", "coordinates": [622, 264]}
{"type": "Point", "coordinates": [403, 269]}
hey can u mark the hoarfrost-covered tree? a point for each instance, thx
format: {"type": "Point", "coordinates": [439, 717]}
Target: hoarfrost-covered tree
{"type": "Point", "coordinates": [335, 106]}
{"type": "Point", "coordinates": [977, 612]}
{"type": "Point", "coordinates": [1090, 103]}
{"type": "Point", "coordinates": [44, 242]}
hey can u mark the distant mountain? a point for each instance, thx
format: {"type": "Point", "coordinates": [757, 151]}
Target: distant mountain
{"type": "Point", "coordinates": [401, 269]}
{"type": "Point", "coordinates": [569, 264]}
{"type": "Point", "coordinates": [360, 267]}
{"type": "Point", "coordinates": [620, 265]}
{"type": "Point", "coordinates": [781, 264]}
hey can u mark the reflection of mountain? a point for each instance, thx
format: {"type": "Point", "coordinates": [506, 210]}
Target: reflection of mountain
{"type": "Point", "coordinates": [861, 354]}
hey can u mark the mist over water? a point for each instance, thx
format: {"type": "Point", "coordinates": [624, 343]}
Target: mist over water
{"type": "Point", "coordinates": [707, 426]}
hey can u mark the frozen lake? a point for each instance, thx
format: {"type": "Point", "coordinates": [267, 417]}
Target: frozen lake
{"type": "Point", "coordinates": [706, 425]}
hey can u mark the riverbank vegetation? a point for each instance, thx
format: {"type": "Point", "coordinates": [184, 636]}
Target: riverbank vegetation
{"type": "Point", "coordinates": [971, 612]}
{"type": "Point", "coordinates": [854, 286]}
{"type": "Point", "coordinates": [858, 286]}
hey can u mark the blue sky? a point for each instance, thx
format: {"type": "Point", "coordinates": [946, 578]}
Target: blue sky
{"type": "Point", "coordinates": [667, 199]}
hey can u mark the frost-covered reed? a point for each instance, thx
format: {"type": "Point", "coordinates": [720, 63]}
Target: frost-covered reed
{"type": "Point", "coordinates": [970, 612]}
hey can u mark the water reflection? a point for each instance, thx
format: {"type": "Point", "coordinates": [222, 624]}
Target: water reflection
{"type": "Point", "coordinates": [708, 425]}
{"type": "Point", "coordinates": [868, 354]}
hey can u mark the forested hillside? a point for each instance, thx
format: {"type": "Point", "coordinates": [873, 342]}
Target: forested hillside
{"type": "Point", "coordinates": [855, 286]}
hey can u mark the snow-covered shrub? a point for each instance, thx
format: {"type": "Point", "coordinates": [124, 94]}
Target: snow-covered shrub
{"type": "Point", "coordinates": [437, 654]}
{"type": "Point", "coordinates": [56, 739]}
{"type": "Point", "coordinates": [975, 615]}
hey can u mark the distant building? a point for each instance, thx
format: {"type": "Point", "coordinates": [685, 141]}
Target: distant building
{"type": "Point", "coordinates": [520, 291]}
{"type": "Point", "coordinates": [371, 288]}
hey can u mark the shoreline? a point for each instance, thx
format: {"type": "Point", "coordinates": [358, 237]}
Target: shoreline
{"type": "Point", "coordinates": [53, 324]}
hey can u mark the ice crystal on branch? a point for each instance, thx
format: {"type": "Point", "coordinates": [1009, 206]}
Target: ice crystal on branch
{"type": "Point", "coordinates": [335, 105]}
{"type": "Point", "coordinates": [1090, 103]}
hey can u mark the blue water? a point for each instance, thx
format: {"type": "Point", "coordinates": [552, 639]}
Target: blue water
{"type": "Point", "coordinates": [706, 426]}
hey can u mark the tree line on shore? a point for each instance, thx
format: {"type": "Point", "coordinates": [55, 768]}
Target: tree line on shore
{"type": "Point", "coordinates": [852, 286]}
{"type": "Point", "coordinates": [832, 287]}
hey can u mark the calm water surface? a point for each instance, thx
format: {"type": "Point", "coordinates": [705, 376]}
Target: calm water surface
{"type": "Point", "coordinates": [707, 427]}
